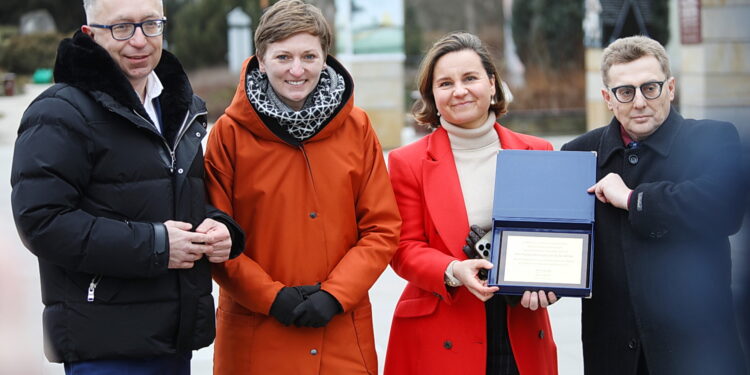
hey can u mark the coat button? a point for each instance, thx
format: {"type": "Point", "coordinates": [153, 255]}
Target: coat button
{"type": "Point", "coordinates": [632, 344]}
{"type": "Point", "coordinates": [314, 352]}
{"type": "Point", "coordinates": [633, 159]}
{"type": "Point", "coordinates": [198, 134]}
{"type": "Point", "coordinates": [541, 333]}
{"type": "Point", "coordinates": [313, 215]}
{"type": "Point", "coordinates": [447, 344]}
{"type": "Point", "coordinates": [180, 171]}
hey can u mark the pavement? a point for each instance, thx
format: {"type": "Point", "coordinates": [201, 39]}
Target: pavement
{"type": "Point", "coordinates": [21, 340]}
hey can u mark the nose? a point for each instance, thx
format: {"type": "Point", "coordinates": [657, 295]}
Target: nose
{"type": "Point", "coordinates": [639, 101]}
{"type": "Point", "coordinates": [296, 69]}
{"type": "Point", "coordinates": [459, 90]}
{"type": "Point", "coordinates": [138, 39]}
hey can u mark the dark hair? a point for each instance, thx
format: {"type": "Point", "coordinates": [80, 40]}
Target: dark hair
{"type": "Point", "coordinates": [287, 18]}
{"type": "Point", "coordinates": [424, 109]}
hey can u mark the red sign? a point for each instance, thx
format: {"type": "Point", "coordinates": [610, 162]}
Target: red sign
{"type": "Point", "coordinates": [690, 21]}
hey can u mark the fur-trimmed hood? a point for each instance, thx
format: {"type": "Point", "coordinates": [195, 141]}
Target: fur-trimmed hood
{"type": "Point", "coordinates": [84, 64]}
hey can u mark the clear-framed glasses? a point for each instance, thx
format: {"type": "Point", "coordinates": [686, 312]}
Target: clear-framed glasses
{"type": "Point", "coordinates": [649, 90]}
{"type": "Point", "coordinates": [126, 30]}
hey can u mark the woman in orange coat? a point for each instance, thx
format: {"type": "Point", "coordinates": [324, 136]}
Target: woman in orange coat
{"type": "Point", "coordinates": [443, 183]}
{"type": "Point", "coordinates": [301, 170]}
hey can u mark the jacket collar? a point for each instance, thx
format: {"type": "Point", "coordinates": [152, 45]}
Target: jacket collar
{"type": "Point", "coordinates": [660, 141]}
{"type": "Point", "coordinates": [439, 145]}
{"type": "Point", "coordinates": [84, 64]}
{"type": "Point", "coordinates": [243, 112]}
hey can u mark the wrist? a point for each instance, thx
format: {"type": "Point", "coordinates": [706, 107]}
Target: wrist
{"type": "Point", "coordinates": [161, 246]}
{"type": "Point", "coordinates": [449, 278]}
{"type": "Point", "coordinates": [626, 202]}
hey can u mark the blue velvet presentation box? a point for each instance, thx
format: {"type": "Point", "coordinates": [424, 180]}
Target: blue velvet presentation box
{"type": "Point", "coordinates": [543, 222]}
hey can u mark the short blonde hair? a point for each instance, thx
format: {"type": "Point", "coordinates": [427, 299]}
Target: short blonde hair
{"type": "Point", "coordinates": [425, 109]}
{"type": "Point", "coordinates": [287, 18]}
{"type": "Point", "coordinates": [625, 50]}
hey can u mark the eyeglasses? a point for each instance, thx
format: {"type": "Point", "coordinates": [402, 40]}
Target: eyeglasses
{"type": "Point", "coordinates": [126, 30]}
{"type": "Point", "coordinates": [649, 90]}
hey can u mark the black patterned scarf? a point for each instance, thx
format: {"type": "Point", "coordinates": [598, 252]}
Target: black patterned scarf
{"type": "Point", "coordinates": [316, 110]}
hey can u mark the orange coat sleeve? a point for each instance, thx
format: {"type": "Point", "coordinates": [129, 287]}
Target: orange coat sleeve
{"type": "Point", "coordinates": [379, 224]}
{"type": "Point", "coordinates": [242, 278]}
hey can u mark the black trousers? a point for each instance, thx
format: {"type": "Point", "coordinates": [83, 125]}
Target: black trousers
{"type": "Point", "coordinates": [500, 360]}
{"type": "Point", "coordinates": [642, 366]}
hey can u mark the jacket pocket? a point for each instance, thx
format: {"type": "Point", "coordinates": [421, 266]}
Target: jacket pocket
{"type": "Point", "coordinates": [415, 307]}
{"type": "Point", "coordinates": [95, 288]}
{"type": "Point", "coordinates": [362, 318]}
{"type": "Point", "coordinates": [234, 342]}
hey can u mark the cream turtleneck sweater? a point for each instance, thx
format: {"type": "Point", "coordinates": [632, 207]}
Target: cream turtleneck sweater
{"type": "Point", "coordinates": [475, 152]}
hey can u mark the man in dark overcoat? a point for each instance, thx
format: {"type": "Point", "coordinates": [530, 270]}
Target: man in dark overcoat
{"type": "Point", "coordinates": [668, 198]}
{"type": "Point", "coordinates": [108, 193]}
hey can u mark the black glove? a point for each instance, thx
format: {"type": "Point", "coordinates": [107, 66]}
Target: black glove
{"type": "Point", "coordinates": [475, 234]}
{"type": "Point", "coordinates": [287, 299]}
{"type": "Point", "coordinates": [317, 310]}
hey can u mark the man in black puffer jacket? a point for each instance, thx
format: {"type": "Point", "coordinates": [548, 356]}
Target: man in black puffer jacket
{"type": "Point", "coordinates": [108, 193]}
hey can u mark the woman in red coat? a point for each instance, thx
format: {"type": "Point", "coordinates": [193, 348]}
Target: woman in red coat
{"type": "Point", "coordinates": [447, 320]}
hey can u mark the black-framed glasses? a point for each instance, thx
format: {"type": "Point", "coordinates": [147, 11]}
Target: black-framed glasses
{"type": "Point", "coordinates": [649, 90]}
{"type": "Point", "coordinates": [126, 30]}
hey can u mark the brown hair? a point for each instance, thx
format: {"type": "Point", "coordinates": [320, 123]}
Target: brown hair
{"type": "Point", "coordinates": [287, 18]}
{"type": "Point", "coordinates": [625, 50]}
{"type": "Point", "coordinates": [424, 109]}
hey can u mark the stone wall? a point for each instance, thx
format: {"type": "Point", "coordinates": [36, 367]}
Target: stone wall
{"type": "Point", "coordinates": [715, 74]}
{"type": "Point", "coordinates": [597, 114]}
{"type": "Point", "coordinates": [378, 89]}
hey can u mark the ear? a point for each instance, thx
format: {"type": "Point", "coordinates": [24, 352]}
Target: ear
{"type": "Point", "coordinates": [88, 30]}
{"type": "Point", "coordinates": [492, 84]}
{"type": "Point", "coordinates": [671, 86]}
{"type": "Point", "coordinates": [607, 96]}
{"type": "Point", "coordinates": [261, 65]}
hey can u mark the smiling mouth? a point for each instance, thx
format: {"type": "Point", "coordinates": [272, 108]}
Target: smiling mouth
{"type": "Point", "coordinates": [462, 104]}
{"type": "Point", "coordinates": [137, 58]}
{"type": "Point", "coordinates": [296, 83]}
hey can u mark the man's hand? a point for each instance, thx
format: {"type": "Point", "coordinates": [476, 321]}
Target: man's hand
{"type": "Point", "coordinates": [218, 238]}
{"type": "Point", "coordinates": [467, 272]}
{"type": "Point", "coordinates": [611, 189]}
{"type": "Point", "coordinates": [535, 300]}
{"type": "Point", "coordinates": [185, 247]}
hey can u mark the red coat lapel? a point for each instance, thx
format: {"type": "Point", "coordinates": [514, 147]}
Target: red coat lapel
{"type": "Point", "coordinates": [443, 196]}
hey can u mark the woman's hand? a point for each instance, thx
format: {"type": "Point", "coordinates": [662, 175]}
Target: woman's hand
{"type": "Point", "coordinates": [535, 300]}
{"type": "Point", "coordinates": [466, 271]}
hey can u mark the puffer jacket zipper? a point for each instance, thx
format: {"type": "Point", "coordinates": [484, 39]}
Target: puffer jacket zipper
{"type": "Point", "coordinates": [183, 128]}
{"type": "Point", "coordinates": [92, 287]}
